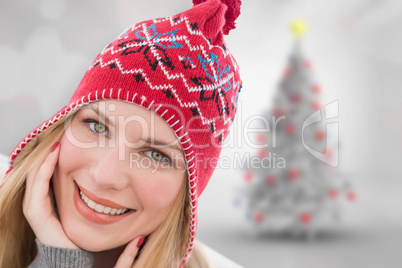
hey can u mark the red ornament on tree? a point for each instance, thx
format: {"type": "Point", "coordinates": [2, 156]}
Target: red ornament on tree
{"type": "Point", "coordinates": [278, 112]}
{"type": "Point", "coordinates": [319, 135]}
{"type": "Point", "coordinates": [259, 217]}
{"type": "Point", "coordinates": [294, 174]}
{"type": "Point", "coordinates": [290, 129]}
{"type": "Point", "coordinates": [316, 105]}
{"type": "Point", "coordinates": [296, 98]}
{"type": "Point", "coordinates": [270, 180]}
{"type": "Point", "coordinates": [328, 153]}
{"type": "Point", "coordinates": [316, 88]}
{"type": "Point", "coordinates": [305, 218]}
{"type": "Point", "coordinates": [351, 196]}
{"type": "Point", "coordinates": [261, 138]}
{"type": "Point", "coordinates": [248, 176]}
{"type": "Point", "coordinates": [307, 64]}
{"type": "Point", "coordinates": [262, 153]}
{"type": "Point", "coordinates": [288, 71]}
{"type": "Point", "coordinates": [333, 193]}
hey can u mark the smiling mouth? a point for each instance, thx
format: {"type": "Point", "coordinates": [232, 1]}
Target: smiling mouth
{"type": "Point", "coordinates": [99, 205]}
{"type": "Point", "coordinates": [100, 208]}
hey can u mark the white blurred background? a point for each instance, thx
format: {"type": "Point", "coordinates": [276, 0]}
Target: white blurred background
{"type": "Point", "coordinates": [46, 46]}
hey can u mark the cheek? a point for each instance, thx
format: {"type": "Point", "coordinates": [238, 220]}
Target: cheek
{"type": "Point", "coordinates": [67, 163]}
{"type": "Point", "coordinates": [71, 156]}
{"type": "Point", "coordinates": [158, 194]}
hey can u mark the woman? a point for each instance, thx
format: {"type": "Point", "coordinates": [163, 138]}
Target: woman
{"type": "Point", "coordinates": [114, 177]}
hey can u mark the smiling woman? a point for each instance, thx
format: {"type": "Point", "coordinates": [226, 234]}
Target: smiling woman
{"type": "Point", "coordinates": [113, 179]}
{"type": "Point", "coordinates": [100, 193]}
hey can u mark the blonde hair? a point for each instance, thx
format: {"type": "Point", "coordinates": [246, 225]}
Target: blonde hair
{"type": "Point", "coordinates": [17, 240]}
{"type": "Point", "coordinates": [171, 239]}
{"type": "Point", "coordinates": [17, 243]}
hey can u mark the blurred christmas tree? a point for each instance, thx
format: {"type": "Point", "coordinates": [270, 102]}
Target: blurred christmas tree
{"type": "Point", "coordinates": [296, 195]}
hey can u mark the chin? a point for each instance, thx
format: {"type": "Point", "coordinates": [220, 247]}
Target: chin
{"type": "Point", "coordinates": [89, 246]}
{"type": "Point", "coordinates": [88, 240]}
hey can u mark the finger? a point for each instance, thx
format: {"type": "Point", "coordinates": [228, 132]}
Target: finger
{"type": "Point", "coordinates": [40, 184]}
{"type": "Point", "coordinates": [37, 182]}
{"type": "Point", "coordinates": [36, 167]}
{"type": "Point", "coordinates": [126, 259]}
{"type": "Point", "coordinates": [53, 202]}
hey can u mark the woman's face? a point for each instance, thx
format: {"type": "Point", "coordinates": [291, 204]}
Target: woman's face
{"type": "Point", "coordinates": [120, 170]}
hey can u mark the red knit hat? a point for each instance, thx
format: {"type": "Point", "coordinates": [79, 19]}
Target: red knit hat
{"type": "Point", "coordinates": [180, 68]}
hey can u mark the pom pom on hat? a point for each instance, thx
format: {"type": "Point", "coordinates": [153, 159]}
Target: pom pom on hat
{"type": "Point", "coordinates": [232, 13]}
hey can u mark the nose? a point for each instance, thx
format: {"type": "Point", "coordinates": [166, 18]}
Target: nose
{"type": "Point", "coordinates": [107, 170]}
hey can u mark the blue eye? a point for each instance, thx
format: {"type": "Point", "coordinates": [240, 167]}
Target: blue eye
{"type": "Point", "coordinates": [157, 156]}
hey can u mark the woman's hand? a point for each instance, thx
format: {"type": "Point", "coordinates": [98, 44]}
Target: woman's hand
{"type": "Point", "coordinates": [126, 259]}
{"type": "Point", "coordinates": [39, 205]}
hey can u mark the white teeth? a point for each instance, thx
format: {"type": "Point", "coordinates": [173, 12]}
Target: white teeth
{"type": "Point", "coordinates": [91, 204]}
{"type": "Point", "coordinates": [113, 212]}
{"type": "Point", "coordinates": [107, 210]}
{"type": "Point", "coordinates": [101, 208]}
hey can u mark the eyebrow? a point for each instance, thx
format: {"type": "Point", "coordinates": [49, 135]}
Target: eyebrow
{"type": "Point", "coordinates": [95, 108]}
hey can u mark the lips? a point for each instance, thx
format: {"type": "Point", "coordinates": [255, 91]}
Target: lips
{"type": "Point", "coordinates": [98, 210]}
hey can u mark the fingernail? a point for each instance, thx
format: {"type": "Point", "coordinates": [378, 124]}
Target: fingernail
{"type": "Point", "coordinates": [140, 241]}
{"type": "Point", "coordinates": [54, 146]}
{"type": "Point", "coordinates": [8, 171]}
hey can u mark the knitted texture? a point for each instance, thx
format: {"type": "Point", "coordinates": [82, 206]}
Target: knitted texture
{"type": "Point", "coordinates": [231, 14]}
{"type": "Point", "coordinates": [180, 68]}
{"type": "Point", "coordinates": [54, 257]}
